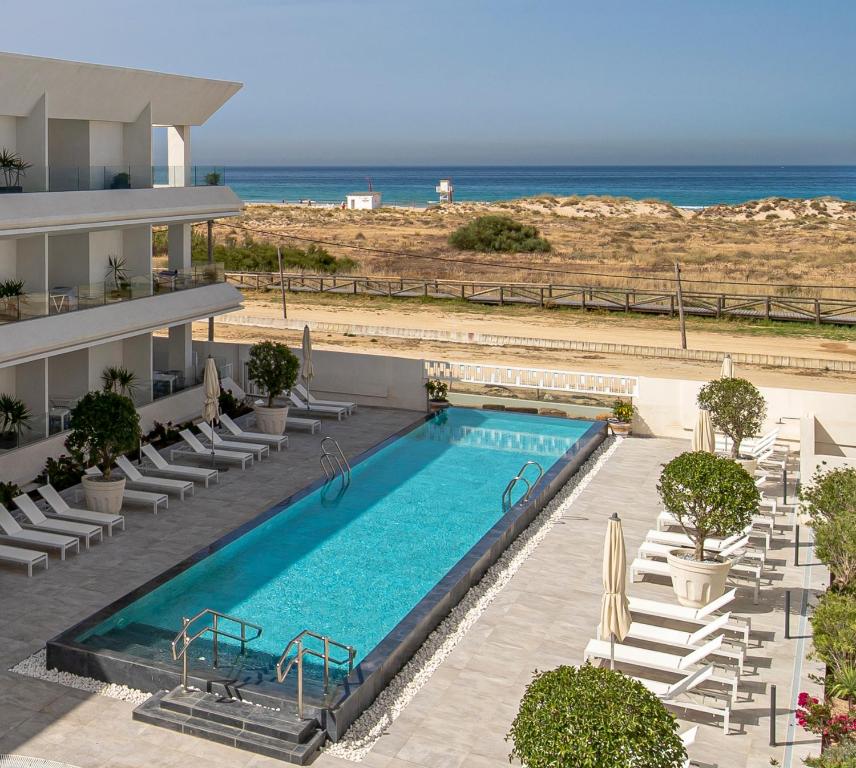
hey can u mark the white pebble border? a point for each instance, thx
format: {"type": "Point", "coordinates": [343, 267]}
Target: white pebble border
{"type": "Point", "coordinates": [36, 666]}
{"type": "Point", "coordinates": [370, 726]}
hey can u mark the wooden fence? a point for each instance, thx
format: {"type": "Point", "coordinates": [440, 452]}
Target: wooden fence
{"type": "Point", "coordinates": [770, 306]}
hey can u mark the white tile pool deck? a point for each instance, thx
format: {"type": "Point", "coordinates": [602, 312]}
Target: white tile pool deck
{"type": "Point", "coordinates": [543, 618]}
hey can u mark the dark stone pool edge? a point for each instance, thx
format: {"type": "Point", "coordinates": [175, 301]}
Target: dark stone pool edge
{"type": "Point", "coordinates": [377, 669]}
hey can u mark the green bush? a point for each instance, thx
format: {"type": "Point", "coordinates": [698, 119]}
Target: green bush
{"type": "Point", "coordinates": [8, 491]}
{"type": "Point", "coordinates": [498, 234]}
{"type": "Point", "coordinates": [830, 501]}
{"type": "Point", "coordinates": [256, 256]}
{"type": "Point", "coordinates": [834, 631]}
{"type": "Point", "coordinates": [274, 367]}
{"type": "Point", "coordinates": [736, 408]}
{"type": "Point", "coordinates": [623, 410]}
{"type": "Point", "coordinates": [709, 495]}
{"type": "Point", "coordinates": [103, 425]}
{"type": "Point", "coordinates": [61, 473]}
{"type": "Point", "coordinates": [588, 717]}
{"type": "Point", "coordinates": [841, 755]}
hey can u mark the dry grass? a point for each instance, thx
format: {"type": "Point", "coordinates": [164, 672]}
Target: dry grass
{"type": "Point", "coordinates": [766, 241]}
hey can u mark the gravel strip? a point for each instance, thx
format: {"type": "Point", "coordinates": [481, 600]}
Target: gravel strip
{"type": "Point", "coordinates": [371, 725]}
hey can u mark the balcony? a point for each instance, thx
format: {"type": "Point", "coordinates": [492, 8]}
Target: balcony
{"type": "Point", "coordinates": [66, 318]}
{"type": "Point", "coordinates": [100, 177]}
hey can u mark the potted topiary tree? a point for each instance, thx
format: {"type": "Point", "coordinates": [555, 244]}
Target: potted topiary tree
{"type": "Point", "coordinates": [592, 717]}
{"type": "Point", "coordinates": [621, 421]}
{"type": "Point", "coordinates": [437, 395]}
{"type": "Point", "coordinates": [737, 409]}
{"type": "Point", "coordinates": [104, 425]}
{"type": "Point", "coordinates": [709, 496]}
{"type": "Point", "coordinates": [274, 367]}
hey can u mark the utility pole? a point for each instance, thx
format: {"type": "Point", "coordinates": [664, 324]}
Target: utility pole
{"type": "Point", "coordinates": [281, 283]}
{"type": "Point", "coordinates": [210, 261]}
{"type": "Point", "coordinates": [681, 318]}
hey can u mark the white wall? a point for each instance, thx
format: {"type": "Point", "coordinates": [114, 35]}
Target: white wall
{"type": "Point", "coordinates": [106, 143]}
{"type": "Point", "coordinates": [68, 259]}
{"type": "Point", "coordinates": [102, 245]}
{"type": "Point", "coordinates": [8, 258]}
{"type": "Point", "coordinates": [100, 357]}
{"type": "Point", "coordinates": [8, 131]}
{"type": "Point", "coordinates": [137, 249]}
{"type": "Point", "coordinates": [7, 380]}
{"type": "Point", "coordinates": [68, 374]}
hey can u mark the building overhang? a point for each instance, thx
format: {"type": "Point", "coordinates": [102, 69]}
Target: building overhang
{"type": "Point", "coordinates": [28, 340]}
{"type": "Point", "coordinates": [82, 91]}
{"type": "Point", "coordinates": [36, 213]}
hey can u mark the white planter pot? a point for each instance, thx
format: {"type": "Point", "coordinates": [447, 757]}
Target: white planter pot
{"type": "Point", "coordinates": [697, 583]}
{"type": "Point", "coordinates": [750, 465]}
{"type": "Point", "coordinates": [271, 420]}
{"type": "Point", "coordinates": [103, 495]}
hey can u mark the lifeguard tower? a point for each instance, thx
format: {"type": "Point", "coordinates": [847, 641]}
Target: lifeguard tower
{"type": "Point", "coordinates": [446, 190]}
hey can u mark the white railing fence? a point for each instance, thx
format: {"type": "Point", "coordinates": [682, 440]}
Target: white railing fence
{"type": "Point", "coordinates": [533, 378]}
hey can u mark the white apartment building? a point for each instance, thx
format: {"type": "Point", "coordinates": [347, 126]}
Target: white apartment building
{"type": "Point", "coordinates": [78, 236]}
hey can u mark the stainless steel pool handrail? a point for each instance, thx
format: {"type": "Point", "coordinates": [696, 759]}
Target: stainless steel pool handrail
{"type": "Point", "coordinates": [214, 629]}
{"type": "Point", "coordinates": [509, 489]}
{"type": "Point", "coordinates": [341, 461]}
{"type": "Point", "coordinates": [302, 650]}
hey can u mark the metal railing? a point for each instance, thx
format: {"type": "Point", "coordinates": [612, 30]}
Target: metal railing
{"type": "Point", "coordinates": [576, 382]}
{"type": "Point", "coordinates": [520, 477]}
{"type": "Point", "coordinates": [187, 640]}
{"type": "Point", "coordinates": [282, 669]}
{"type": "Point", "coordinates": [793, 303]}
{"type": "Point", "coordinates": [340, 467]}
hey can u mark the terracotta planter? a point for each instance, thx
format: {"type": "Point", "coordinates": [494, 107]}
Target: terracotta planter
{"type": "Point", "coordinates": [271, 420]}
{"type": "Point", "coordinates": [437, 405]}
{"type": "Point", "coordinates": [620, 427]}
{"type": "Point", "coordinates": [103, 495]}
{"type": "Point", "coordinates": [697, 583]}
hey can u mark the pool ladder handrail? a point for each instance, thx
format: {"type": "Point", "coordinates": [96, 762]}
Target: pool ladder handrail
{"type": "Point", "coordinates": [509, 489]}
{"type": "Point", "coordinates": [302, 650]}
{"type": "Point", "coordinates": [214, 629]}
{"type": "Point", "coordinates": [341, 466]}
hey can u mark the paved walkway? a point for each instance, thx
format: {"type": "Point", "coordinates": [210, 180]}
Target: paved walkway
{"type": "Point", "coordinates": [543, 618]}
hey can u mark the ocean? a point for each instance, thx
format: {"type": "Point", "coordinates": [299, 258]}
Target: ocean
{"type": "Point", "coordinates": [690, 186]}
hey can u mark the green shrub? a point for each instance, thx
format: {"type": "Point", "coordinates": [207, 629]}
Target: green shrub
{"type": "Point", "coordinates": [841, 755]}
{"type": "Point", "coordinates": [736, 408]}
{"type": "Point", "coordinates": [709, 495]}
{"type": "Point", "coordinates": [61, 473]}
{"type": "Point", "coordinates": [257, 256]}
{"type": "Point", "coordinates": [498, 234]}
{"type": "Point", "coordinates": [103, 425]}
{"type": "Point", "coordinates": [8, 491]}
{"type": "Point", "coordinates": [834, 630]}
{"type": "Point", "coordinates": [623, 410]}
{"type": "Point", "coordinates": [830, 501]}
{"type": "Point", "coordinates": [274, 367]}
{"type": "Point", "coordinates": [588, 717]}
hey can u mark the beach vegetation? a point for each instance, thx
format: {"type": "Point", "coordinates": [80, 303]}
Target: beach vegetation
{"type": "Point", "coordinates": [709, 495]}
{"type": "Point", "coordinates": [252, 255]}
{"type": "Point", "coordinates": [503, 234]}
{"type": "Point", "coordinates": [588, 717]}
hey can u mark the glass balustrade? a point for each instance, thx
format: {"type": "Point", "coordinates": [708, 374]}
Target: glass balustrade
{"type": "Point", "coordinates": [61, 178]}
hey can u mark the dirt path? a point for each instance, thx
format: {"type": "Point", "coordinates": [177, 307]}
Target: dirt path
{"type": "Point", "coordinates": [544, 325]}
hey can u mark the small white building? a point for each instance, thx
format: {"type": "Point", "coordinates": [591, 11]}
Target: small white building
{"type": "Point", "coordinates": [363, 201]}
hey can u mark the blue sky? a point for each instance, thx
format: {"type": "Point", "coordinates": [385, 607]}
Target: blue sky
{"type": "Point", "coordinates": [487, 81]}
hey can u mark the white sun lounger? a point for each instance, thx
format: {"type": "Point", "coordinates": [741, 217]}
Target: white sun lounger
{"type": "Point", "coordinates": [64, 512]}
{"type": "Point", "coordinates": [139, 497]}
{"type": "Point", "coordinates": [38, 521]}
{"type": "Point", "coordinates": [680, 638]}
{"type": "Point", "coordinates": [328, 410]}
{"type": "Point", "coordinates": [230, 385]}
{"type": "Point", "coordinates": [135, 479]}
{"type": "Point", "coordinates": [199, 450]}
{"type": "Point", "coordinates": [668, 520]}
{"type": "Point", "coordinates": [28, 557]}
{"type": "Point", "coordinates": [680, 693]}
{"type": "Point", "coordinates": [12, 532]}
{"type": "Point", "coordinates": [729, 545]}
{"type": "Point", "coordinates": [257, 449]}
{"type": "Point", "coordinates": [242, 435]}
{"type": "Point", "coordinates": [313, 401]}
{"type": "Point", "coordinates": [660, 660]}
{"type": "Point", "coordinates": [162, 467]}
{"type": "Point", "coordinates": [694, 616]}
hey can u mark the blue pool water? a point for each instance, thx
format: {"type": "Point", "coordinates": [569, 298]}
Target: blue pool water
{"type": "Point", "coordinates": [352, 567]}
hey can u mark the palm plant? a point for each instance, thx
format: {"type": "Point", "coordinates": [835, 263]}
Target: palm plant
{"type": "Point", "coordinates": [844, 684]}
{"type": "Point", "coordinates": [116, 271]}
{"type": "Point", "coordinates": [120, 380]}
{"type": "Point", "coordinates": [13, 167]}
{"type": "Point", "coordinates": [14, 416]}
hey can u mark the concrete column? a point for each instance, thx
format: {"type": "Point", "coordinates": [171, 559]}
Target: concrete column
{"type": "Point", "coordinates": [178, 155]}
{"type": "Point", "coordinates": [137, 357]}
{"type": "Point", "coordinates": [137, 250]}
{"type": "Point", "coordinates": [31, 386]}
{"type": "Point", "coordinates": [180, 354]}
{"type": "Point", "coordinates": [137, 148]}
{"type": "Point", "coordinates": [178, 245]}
{"type": "Point", "coordinates": [32, 145]}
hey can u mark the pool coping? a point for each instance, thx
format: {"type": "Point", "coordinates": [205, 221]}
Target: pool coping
{"type": "Point", "coordinates": [386, 659]}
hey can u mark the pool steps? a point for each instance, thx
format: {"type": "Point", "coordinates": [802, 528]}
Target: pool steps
{"type": "Point", "coordinates": [235, 723]}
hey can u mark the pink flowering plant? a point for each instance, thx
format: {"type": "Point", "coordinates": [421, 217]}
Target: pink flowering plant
{"type": "Point", "coordinates": [817, 718]}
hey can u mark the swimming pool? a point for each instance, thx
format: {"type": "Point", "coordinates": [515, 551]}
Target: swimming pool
{"type": "Point", "coordinates": [357, 565]}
